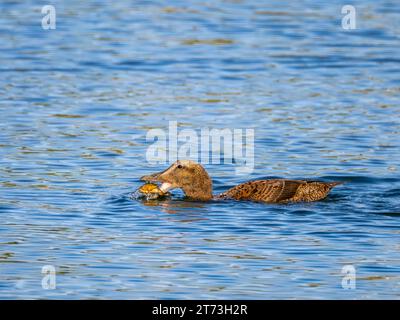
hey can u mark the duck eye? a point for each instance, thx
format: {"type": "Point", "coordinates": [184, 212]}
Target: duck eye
{"type": "Point", "coordinates": [180, 166]}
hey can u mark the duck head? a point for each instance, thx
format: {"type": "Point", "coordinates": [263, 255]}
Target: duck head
{"type": "Point", "coordinates": [187, 175]}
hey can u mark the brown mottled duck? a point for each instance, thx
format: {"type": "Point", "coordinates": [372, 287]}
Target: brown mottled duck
{"type": "Point", "coordinates": [195, 182]}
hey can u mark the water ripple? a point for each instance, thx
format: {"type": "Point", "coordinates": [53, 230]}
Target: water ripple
{"type": "Point", "coordinates": [77, 102]}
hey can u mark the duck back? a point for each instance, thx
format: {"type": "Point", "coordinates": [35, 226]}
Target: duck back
{"type": "Point", "coordinates": [279, 191]}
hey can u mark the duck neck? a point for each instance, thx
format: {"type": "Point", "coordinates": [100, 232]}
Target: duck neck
{"type": "Point", "coordinates": [200, 188]}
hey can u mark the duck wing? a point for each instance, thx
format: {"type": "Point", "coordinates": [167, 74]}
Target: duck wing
{"type": "Point", "coordinates": [277, 190]}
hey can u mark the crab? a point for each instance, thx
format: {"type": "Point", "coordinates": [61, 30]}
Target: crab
{"type": "Point", "coordinates": [152, 191]}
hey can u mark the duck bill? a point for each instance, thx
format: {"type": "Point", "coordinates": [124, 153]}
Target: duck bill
{"type": "Point", "coordinates": [155, 177]}
{"type": "Point", "coordinates": [158, 177]}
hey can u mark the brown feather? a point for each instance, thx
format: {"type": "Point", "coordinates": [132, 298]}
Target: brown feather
{"type": "Point", "coordinates": [279, 190]}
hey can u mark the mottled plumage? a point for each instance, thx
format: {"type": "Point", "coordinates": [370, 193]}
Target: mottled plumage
{"type": "Point", "coordinates": [279, 191]}
{"type": "Point", "coordinates": [193, 179]}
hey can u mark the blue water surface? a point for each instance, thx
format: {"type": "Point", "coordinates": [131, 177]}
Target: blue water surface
{"type": "Point", "coordinates": [77, 102]}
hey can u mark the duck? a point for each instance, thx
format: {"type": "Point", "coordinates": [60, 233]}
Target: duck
{"type": "Point", "coordinates": [194, 181]}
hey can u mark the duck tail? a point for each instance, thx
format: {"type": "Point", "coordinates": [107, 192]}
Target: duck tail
{"type": "Point", "coordinates": [334, 184]}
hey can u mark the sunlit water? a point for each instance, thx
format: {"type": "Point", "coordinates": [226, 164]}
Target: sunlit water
{"type": "Point", "coordinates": [76, 104]}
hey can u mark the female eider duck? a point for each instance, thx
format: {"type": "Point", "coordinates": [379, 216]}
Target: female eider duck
{"type": "Point", "coordinates": [195, 182]}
